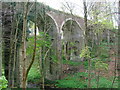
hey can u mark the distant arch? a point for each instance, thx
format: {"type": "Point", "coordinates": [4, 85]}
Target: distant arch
{"type": "Point", "coordinates": [70, 19]}
{"type": "Point", "coordinates": [72, 37]}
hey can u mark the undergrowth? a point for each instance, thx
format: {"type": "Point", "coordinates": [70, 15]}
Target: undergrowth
{"type": "Point", "coordinates": [72, 63]}
{"type": "Point", "coordinates": [34, 74]}
{"type": "Point", "coordinates": [80, 80]}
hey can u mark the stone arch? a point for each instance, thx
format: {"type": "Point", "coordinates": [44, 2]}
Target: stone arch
{"type": "Point", "coordinates": [51, 28]}
{"type": "Point", "coordinates": [72, 39]}
{"type": "Point", "coordinates": [54, 21]}
{"type": "Point", "coordinates": [71, 20]}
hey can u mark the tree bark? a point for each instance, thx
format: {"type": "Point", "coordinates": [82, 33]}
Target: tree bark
{"type": "Point", "coordinates": [15, 53]}
{"type": "Point", "coordinates": [24, 45]}
{"type": "Point", "coordinates": [0, 39]}
{"type": "Point", "coordinates": [34, 50]}
{"type": "Point", "coordinates": [7, 17]}
{"type": "Point", "coordinates": [118, 63]}
{"type": "Point", "coordinates": [87, 41]}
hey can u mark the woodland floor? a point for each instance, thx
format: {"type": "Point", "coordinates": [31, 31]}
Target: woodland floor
{"type": "Point", "coordinates": [80, 68]}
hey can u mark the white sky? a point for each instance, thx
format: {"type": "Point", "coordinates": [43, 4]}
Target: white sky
{"type": "Point", "coordinates": [78, 4]}
{"type": "Point", "coordinates": [58, 4]}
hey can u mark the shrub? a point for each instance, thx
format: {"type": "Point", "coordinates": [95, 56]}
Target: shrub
{"type": "Point", "coordinates": [3, 82]}
{"type": "Point", "coordinates": [103, 83]}
{"type": "Point", "coordinates": [34, 75]}
{"type": "Point", "coordinates": [79, 80]}
{"type": "Point", "coordinates": [75, 81]}
{"type": "Point", "coordinates": [72, 63]}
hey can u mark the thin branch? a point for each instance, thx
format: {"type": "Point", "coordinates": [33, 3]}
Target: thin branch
{"type": "Point", "coordinates": [34, 50]}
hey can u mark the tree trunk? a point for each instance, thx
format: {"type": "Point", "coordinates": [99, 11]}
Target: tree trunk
{"type": "Point", "coordinates": [24, 45]}
{"type": "Point", "coordinates": [17, 69]}
{"type": "Point", "coordinates": [15, 54]}
{"type": "Point", "coordinates": [87, 41]}
{"type": "Point", "coordinates": [98, 78]}
{"type": "Point", "coordinates": [11, 62]}
{"type": "Point", "coordinates": [7, 17]}
{"type": "Point", "coordinates": [0, 39]}
{"type": "Point", "coordinates": [118, 63]}
{"type": "Point", "coordinates": [34, 50]}
{"type": "Point", "coordinates": [115, 66]}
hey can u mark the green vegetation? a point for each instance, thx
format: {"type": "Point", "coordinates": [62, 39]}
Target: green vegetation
{"type": "Point", "coordinates": [76, 80]}
{"type": "Point", "coordinates": [79, 80]}
{"type": "Point", "coordinates": [103, 83]}
{"type": "Point", "coordinates": [101, 51]}
{"type": "Point", "coordinates": [71, 82]}
{"type": "Point", "coordinates": [72, 63]}
{"type": "Point", "coordinates": [68, 53]}
{"type": "Point", "coordinates": [34, 74]}
{"type": "Point", "coordinates": [3, 82]}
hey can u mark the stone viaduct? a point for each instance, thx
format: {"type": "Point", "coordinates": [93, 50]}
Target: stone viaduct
{"type": "Point", "coordinates": [67, 36]}
{"type": "Point", "coordinates": [67, 32]}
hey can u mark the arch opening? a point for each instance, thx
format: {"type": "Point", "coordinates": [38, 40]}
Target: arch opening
{"type": "Point", "coordinates": [72, 39]}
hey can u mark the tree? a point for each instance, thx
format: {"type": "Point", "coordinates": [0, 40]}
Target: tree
{"type": "Point", "coordinates": [118, 63]}
{"type": "Point", "coordinates": [0, 41]}
{"type": "Point", "coordinates": [6, 34]}
{"type": "Point", "coordinates": [101, 21]}
{"type": "Point", "coordinates": [24, 44]}
{"type": "Point", "coordinates": [34, 50]}
{"type": "Point", "coordinates": [87, 41]}
{"type": "Point", "coordinates": [10, 43]}
{"type": "Point", "coordinates": [100, 14]}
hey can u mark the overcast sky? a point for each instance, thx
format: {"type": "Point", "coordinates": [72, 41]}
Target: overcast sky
{"type": "Point", "coordinates": [59, 5]}
{"type": "Point", "coordinates": [77, 5]}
